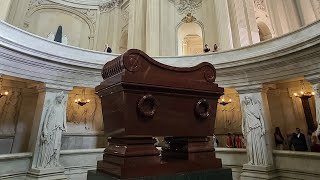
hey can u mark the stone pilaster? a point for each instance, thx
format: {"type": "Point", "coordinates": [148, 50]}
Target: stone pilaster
{"type": "Point", "coordinates": [153, 28]}
{"type": "Point", "coordinates": [48, 124]}
{"type": "Point", "coordinates": [251, 21]}
{"type": "Point", "coordinates": [137, 25]}
{"type": "Point", "coordinates": [316, 8]}
{"type": "Point", "coordinates": [115, 45]}
{"type": "Point", "coordinates": [257, 129]}
{"type": "Point", "coordinates": [223, 25]}
{"type": "Point", "coordinates": [239, 24]}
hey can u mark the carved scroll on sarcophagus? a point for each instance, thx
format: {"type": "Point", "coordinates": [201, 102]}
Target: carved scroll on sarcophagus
{"type": "Point", "coordinates": [141, 99]}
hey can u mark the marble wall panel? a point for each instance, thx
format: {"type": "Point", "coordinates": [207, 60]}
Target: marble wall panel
{"type": "Point", "coordinates": [83, 141]}
{"type": "Point", "coordinates": [9, 111]}
{"type": "Point", "coordinates": [87, 118]}
{"type": "Point", "coordinates": [228, 118]}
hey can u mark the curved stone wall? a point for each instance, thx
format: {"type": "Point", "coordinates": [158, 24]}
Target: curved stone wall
{"type": "Point", "coordinates": [31, 57]}
{"type": "Point", "coordinates": [62, 68]}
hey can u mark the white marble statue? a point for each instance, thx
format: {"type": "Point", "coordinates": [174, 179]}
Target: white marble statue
{"type": "Point", "coordinates": [51, 36]}
{"type": "Point", "coordinates": [316, 89]}
{"type": "Point", "coordinates": [54, 124]}
{"type": "Point", "coordinates": [65, 39]}
{"type": "Point", "coordinates": [254, 131]}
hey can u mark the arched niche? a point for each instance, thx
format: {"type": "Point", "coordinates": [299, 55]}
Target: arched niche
{"type": "Point", "coordinates": [264, 31]}
{"type": "Point", "coordinates": [77, 26]}
{"type": "Point", "coordinates": [189, 38]}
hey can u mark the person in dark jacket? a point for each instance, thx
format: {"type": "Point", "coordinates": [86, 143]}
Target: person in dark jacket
{"type": "Point", "coordinates": [107, 48]}
{"type": "Point", "coordinates": [206, 48]}
{"type": "Point", "coordinates": [299, 141]}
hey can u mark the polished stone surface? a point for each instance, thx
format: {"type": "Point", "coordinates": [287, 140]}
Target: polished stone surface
{"type": "Point", "coordinates": [221, 174]}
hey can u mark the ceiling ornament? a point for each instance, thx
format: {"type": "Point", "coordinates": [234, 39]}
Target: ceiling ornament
{"type": "Point", "coordinates": [187, 6]}
{"type": "Point", "coordinates": [108, 6]}
{"type": "Point", "coordinates": [260, 4]}
{"type": "Point", "coordinates": [189, 18]}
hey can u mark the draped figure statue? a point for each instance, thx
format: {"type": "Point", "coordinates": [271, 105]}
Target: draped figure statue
{"type": "Point", "coordinates": [54, 124]}
{"type": "Point", "coordinates": [254, 131]}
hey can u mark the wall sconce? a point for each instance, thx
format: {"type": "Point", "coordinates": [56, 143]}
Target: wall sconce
{"type": "Point", "coordinates": [5, 93]}
{"type": "Point", "coordinates": [303, 93]}
{"type": "Point", "coordinates": [223, 102]}
{"type": "Point", "coordinates": [82, 101]}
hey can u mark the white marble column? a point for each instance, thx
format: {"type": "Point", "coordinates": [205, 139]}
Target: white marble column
{"type": "Point", "coordinates": [115, 44]}
{"type": "Point", "coordinates": [316, 8]}
{"type": "Point", "coordinates": [252, 23]}
{"type": "Point", "coordinates": [4, 9]}
{"type": "Point", "coordinates": [48, 125]}
{"type": "Point", "coordinates": [284, 16]}
{"type": "Point", "coordinates": [257, 129]}
{"type": "Point", "coordinates": [137, 25]}
{"type": "Point", "coordinates": [153, 28]}
{"type": "Point", "coordinates": [225, 40]}
{"type": "Point", "coordinates": [239, 24]}
{"type": "Point", "coordinates": [306, 11]}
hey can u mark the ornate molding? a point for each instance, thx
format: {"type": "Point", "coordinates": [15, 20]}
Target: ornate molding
{"type": "Point", "coordinates": [108, 6]}
{"type": "Point", "coordinates": [35, 3]}
{"type": "Point", "coordinates": [91, 15]}
{"type": "Point", "coordinates": [260, 4]}
{"type": "Point", "coordinates": [187, 6]}
{"type": "Point", "coordinates": [125, 17]}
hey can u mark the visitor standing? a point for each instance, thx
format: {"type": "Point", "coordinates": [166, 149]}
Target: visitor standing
{"type": "Point", "coordinates": [107, 48]}
{"type": "Point", "coordinates": [229, 141]}
{"type": "Point", "coordinates": [206, 48]}
{"type": "Point", "coordinates": [215, 48]}
{"type": "Point", "coordinates": [278, 138]}
{"type": "Point", "coordinates": [300, 143]}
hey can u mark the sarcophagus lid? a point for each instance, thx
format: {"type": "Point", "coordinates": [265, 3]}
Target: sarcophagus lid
{"type": "Point", "coordinates": [142, 97]}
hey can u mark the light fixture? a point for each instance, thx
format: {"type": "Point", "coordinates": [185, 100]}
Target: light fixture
{"type": "Point", "coordinates": [303, 93]}
{"type": "Point", "coordinates": [223, 102]}
{"type": "Point", "coordinates": [82, 101]}
{"type": "Point", "coordinates": [5, 93]}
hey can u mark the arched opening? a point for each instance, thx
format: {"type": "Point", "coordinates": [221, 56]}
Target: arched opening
{"type": "Point", "coordinates": [190, 39]}
{"type": "Point", "coordinates": [264, 31]}
{"type": "Point", "coordinates": [123, 42]}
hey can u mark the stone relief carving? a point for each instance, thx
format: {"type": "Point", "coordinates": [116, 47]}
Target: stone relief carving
{"type": "Point", "coordinates": [9, 110]}
{"type": "Point", "coordinates": [87, 118]}
{"type": "Point", "coordinates": [108, 6]}
{"type": "Point", "coordinates": [260, 4]}
{"type": "Point", "coordinates": [316, 89]}
{"type": "Point", "coordinates": [254, 131]}
{"type": "Point", "coordinates": [187, 6]}
{"type": "Point", "coordinates": [54, 124]}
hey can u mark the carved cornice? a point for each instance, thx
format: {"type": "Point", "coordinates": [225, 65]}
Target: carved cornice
{"type": "Point", "coordinates": [187, 6]}
{"type": "Point", "coordinates": [108, 6]}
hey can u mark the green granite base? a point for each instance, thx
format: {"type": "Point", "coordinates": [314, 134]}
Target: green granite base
{"type": "Point", "coordinates": [215, 174]}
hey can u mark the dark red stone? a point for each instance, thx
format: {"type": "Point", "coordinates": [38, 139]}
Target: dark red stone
{"type": "Point", "coordinates": [142, 99]}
